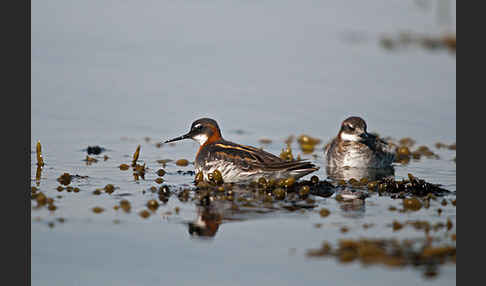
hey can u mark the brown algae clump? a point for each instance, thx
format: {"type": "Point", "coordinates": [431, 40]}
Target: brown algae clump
{"type": "Point", "coordinates": [51, 207]}
{"type": "Point", "coordinates": [306, 139]}
{"type": "Point", "coordinates": [216, 177]}
{"type": "Point", "coordinates": [307, 143]}
{"type": "Point", "coordinates": [41, 199]}
{"type": "Point", "coordinates": [396, 225]}
{"type": "Point", "coordinates": [424, 151]}
{"type": "Point", "coordinates": [109, 188]}
{"type": "Point", "coordinates": [324, 212]}
{"type": "Point", "coordinates": [125, 205]}
{"type": "Point", "coordinates": [139, 170]}
{"type": "Point", "coordinates": [279, 193]}
{"type": "Point", "coordinates": [160, 172]}
{"type": "Point", "coordinates": [407, 142]}
{"type": "Point", "coordinates": [159, 180]}
{"type": "Point", "coordinates": [164, 162]}
{"type": "Point", "coordinates": [152, 205]}
{"type": "Point", "coordinates": [372, 185]}
{"type": "Point", "coordinates": [182, 162]}
{"type": "Point", "coordinates": [40, 159]}
{"type": "Point", "coordinates": [199, 178]}
{"type": "Point", "coordinates": [98, 210]}
{"type": "Point", "coordinates": [402, 155]}
{"type": "Point", "coordinates": [144, 214]}
{"type": "Point", "coordinates": [286, 154]}
{"type": "Point", "coordinates": [412, 186]}
{"type": "Point", "coordinates": [65, 179]}
{"type": "Point", "coordinates": [304, 191]}
{"type": "Point", "coordinates": [124, 167]}
{"type": "Point", "coordinates": [307, 148]}
{"type": "Point", "coordinates": [90, 160]}
{"type": "Point", "coordinates": [412, 204]}
{"type": "Point", "coordinates": [135, 156]}
{"type": "Point", "coordinates": [265, 141]}
{"type": "Point", "coordinates": [288, 182]}
{"type": "Point", "coordinates": [391, 253]}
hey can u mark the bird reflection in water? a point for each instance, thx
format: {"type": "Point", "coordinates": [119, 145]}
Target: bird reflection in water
{"type": "Point", "coordinates": [212, 213]}
{"type": "Point", "coordinates": [207, 223]}
{"type": "Point", "coordinates": [353, 200]}
{"type": "Point", "coordinates": [352, 204]}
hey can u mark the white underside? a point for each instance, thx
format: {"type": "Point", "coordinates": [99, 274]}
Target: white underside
{"type": "Point", "coordinates": [357, 159]}
{"type": "Point", "coordinates": [232, 174]}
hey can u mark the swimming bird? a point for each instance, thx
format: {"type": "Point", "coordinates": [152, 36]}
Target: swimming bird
{"type": "Point", "coordinates": [238, 163]}
{"type": "Point", "coordinates": [355, 147]}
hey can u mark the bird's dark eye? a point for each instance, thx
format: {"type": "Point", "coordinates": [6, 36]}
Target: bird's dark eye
{"type": "Point", "coordinates": [349, 127]}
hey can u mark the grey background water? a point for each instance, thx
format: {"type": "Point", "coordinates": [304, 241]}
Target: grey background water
{"type": "Point", "coordinates": [110, 73]}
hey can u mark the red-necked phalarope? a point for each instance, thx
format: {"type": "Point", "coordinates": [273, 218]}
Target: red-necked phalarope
{"type": "Point", "coordinates": [354, 147]}
{"type": "Point", "coordinates": [238, 163]}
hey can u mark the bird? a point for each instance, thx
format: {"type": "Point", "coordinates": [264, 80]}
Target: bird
{"type": "Point", "coordinates": [355, 147]}
{"type": "Point", "coordinates": [238, 163]}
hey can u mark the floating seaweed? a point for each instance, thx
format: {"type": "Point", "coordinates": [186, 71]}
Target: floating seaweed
{"type": "Point", "coordinates": [160, 172]}
{"type": "Point", "coordinates": [124, 167]}
{"type": "Point", "coordinates": [182, 162]}
{"type": "Point", "coordinates": [38, 175]}
{"type": "Point", "coordinates": [405, 39]}
{"type": "Point", "coordinates": [265, 141]}
{"type": "Point", "coordinates": [90, 160]}
{"type": "Point", "coordinates": [98, 210]}
{"type": "Point", "coordinates": [307, 143]}
{"type": "Point", "coordinates": [95, 150]}
{"type": "Point", "coordinates": [40, 159]}
{"type": "Point", "coordinates": [135, 156]}
{"type": "Point", "coordinates": [411, 186]}
{"type": "Point", "coordinates": [109, 188]}
{"type": "Point", "coordinates": [152, 205]}
{"type": "Point", "coordinates": [286, 154]}
{"type": "Point", "coordinates": [388, 252]}
{"type": "Point", "coordinates": [65, 179]}
{"type": "Point", "coordinates": [144, 213]}
{"type": "Point", "coordinates": [164, 162]}
{"type": "Point", "coordinates": [125, 206]}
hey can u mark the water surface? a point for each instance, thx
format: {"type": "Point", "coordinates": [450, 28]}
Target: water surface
{"type": "Point", "coordinates": [112, 73]}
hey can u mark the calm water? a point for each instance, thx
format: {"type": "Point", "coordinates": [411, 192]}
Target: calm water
{"type": "Point", "coordinates": [112, 73]}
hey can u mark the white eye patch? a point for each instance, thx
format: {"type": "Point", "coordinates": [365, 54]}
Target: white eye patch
{"type": "Point", "coordinates": [201, 138]}
{"type": "Point", "coordinates": [349, 137]}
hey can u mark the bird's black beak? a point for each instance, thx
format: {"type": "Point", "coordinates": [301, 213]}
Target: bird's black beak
{"type": "Point", "coordinates": [185, 136]}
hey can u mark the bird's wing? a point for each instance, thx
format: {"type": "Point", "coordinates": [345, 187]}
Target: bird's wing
{"type": "Point", "coordinates": [251, 157]}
